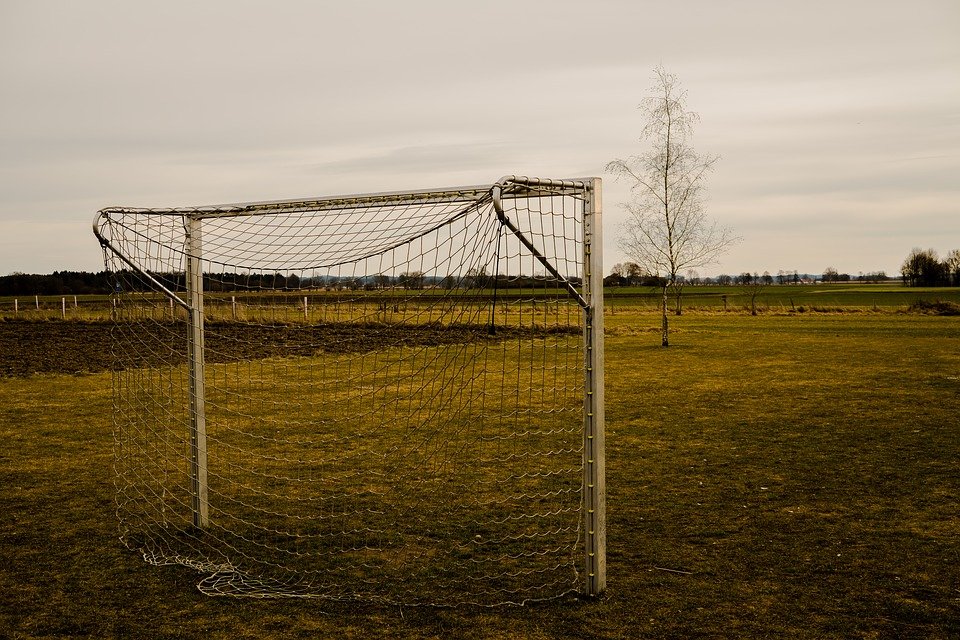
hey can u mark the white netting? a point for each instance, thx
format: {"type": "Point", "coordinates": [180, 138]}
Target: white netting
{"type": "Point", "coordinates": [393, 390]}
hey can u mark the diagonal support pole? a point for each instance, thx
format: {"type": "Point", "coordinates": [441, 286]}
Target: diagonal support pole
{"type": "Point", "coordinates": [497, 193]}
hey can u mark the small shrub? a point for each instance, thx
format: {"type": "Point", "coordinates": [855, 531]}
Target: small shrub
{"type": "Point", "coordinates": [935, 308]}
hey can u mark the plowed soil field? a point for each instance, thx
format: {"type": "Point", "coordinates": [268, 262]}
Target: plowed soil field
{"type": "Point", "coordinates": [52, 346]}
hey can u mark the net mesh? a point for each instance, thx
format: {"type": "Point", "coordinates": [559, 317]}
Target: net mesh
{"type": "Point", "coordinates": [393, 391]}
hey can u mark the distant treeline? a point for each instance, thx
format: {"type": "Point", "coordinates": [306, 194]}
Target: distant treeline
{"type": "Point", "coordinates": [921, 268]}
{"type": "Point", "coordinates": [630, 274]}
{"type": "Point", "coordinates": [105, 282]}
{"type": "Point", "coordinates": [57, 283]}
{"type": "Point", "coordinates": [924, 268]}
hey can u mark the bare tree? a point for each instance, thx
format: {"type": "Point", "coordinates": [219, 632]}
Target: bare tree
{"type": "Point", "coordinates": [411, 280]}
{"type": "Point", "coordinates": [952, 262]}
{"type": "Point", "coordinates": [635, 273]}
{"type": "Point", "coordinates": [923, 268]}
{"type": "Point", "coordinates": [667, 230]}
{"type": "Point", "coordinates": [753, 285]}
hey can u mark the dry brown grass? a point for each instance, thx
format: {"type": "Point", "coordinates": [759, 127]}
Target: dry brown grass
{"type": "Point", "coordinates": [779, 476]}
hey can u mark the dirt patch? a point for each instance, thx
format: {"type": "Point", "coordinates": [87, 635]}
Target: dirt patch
{"type": "Point", "coordinates": [53, 347]}
{"type": "Point", "coordinates": [29, 347]}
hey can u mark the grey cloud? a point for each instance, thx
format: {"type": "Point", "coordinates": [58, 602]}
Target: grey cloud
{"type": "Point", "coordinates": [113, 102]}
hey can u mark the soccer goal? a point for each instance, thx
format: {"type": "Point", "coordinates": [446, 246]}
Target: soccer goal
{"type": "Point", "coordinates": [392, 397]}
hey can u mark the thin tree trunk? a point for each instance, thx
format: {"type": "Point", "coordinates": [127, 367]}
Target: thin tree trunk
{"type": "Point", "coordinates": [666, 328]}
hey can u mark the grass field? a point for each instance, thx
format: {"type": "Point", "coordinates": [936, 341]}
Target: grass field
{"type": "Point", "coordinates": [788, 475]}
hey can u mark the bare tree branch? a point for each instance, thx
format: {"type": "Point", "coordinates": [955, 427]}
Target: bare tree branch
{"type": "Point", "coordinates": [667, 230]}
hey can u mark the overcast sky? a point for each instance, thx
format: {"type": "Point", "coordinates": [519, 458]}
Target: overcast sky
{"type": "Point", "coordinates": [838, 122]}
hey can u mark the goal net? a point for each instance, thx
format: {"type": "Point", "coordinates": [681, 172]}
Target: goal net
{"type": "Point", "coordinates": [392, 397]}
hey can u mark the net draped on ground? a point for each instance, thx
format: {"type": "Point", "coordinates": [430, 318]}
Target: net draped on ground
{"type": "Point", "coordinates": [394, 394]}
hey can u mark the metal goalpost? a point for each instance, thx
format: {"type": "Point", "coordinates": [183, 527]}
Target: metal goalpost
{"type": "Point", "coordinates": [432, 383]}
